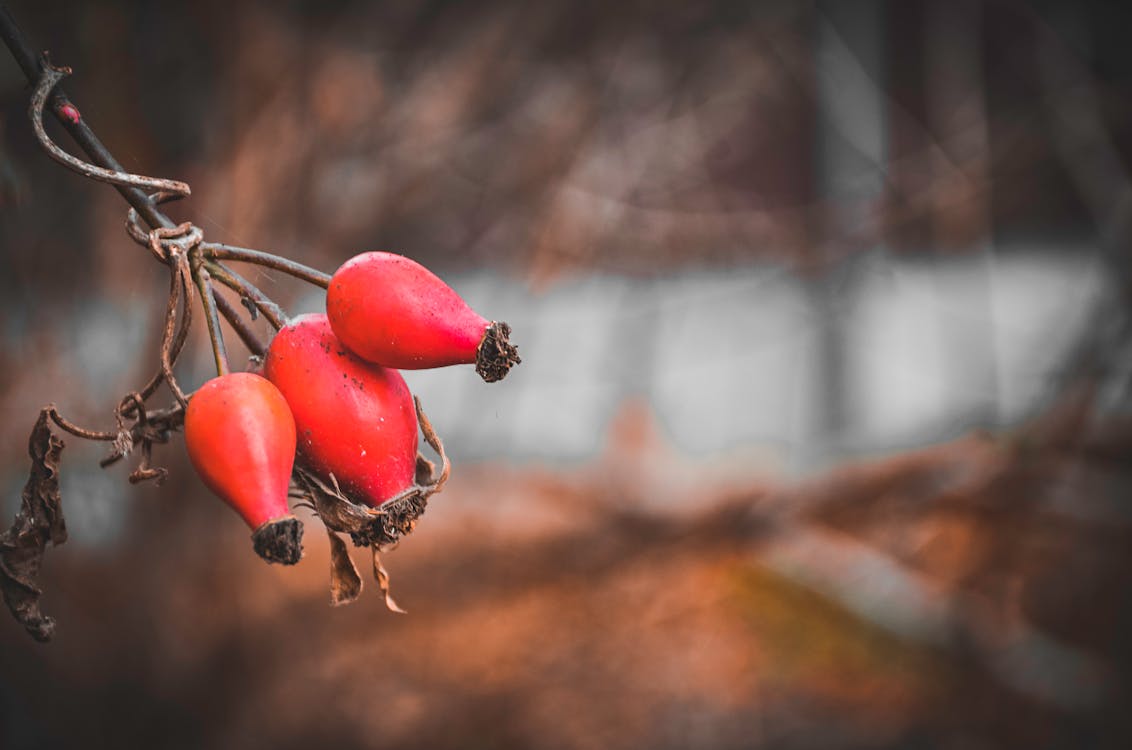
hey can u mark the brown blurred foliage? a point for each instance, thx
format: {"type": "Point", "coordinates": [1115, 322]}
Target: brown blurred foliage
{"type": "Point", "coordinates": [582, 622]}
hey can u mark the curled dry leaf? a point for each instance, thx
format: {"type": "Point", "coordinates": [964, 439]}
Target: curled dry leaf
{"type": "Point", "coordinates": [38, 522]}
{"type": "Point", "coordinates": [381, 575]}
{"type": "Point", "coordinates": [372, 527]}
{"type": "Point", "coordinates": [345, 582]}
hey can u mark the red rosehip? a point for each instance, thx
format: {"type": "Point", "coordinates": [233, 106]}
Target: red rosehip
{"type": "Point", "coordinates": [240, 436]}
{"type": "Point", "coordinates": [394, 312]}
{"type": "Point", "coordinates": [355, 419]}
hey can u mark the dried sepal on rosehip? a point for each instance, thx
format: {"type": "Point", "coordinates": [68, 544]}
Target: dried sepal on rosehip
{"type": "Point", "coordinates": [394, 312]}
{"type": "Point", "coordinates": [240, 437]}
{"type": "Point", "coordinates": [397, 516]}
{"type": "Point", "coordinates": [373, 527]}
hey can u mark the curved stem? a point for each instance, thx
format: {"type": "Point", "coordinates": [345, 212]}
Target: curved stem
{"type": "Point", "coordinates": [215, 335]}
{"type": "Point", "coordinates": [72, 121]}
{"type": "Point", "coordinates": [179, 283]}
{"type": "Point", "coordinates": [245, 288]}
{"type": "Point", "coordinates": [178, 343]}
{"type": "Point", "coordinates": [240, 326]}
{"type": "Point", "coordinates": [50, 76]}
{"type": "Point", "coordinates": [218, 251]}
{"type": "Point", "coordinates": [77, 431]}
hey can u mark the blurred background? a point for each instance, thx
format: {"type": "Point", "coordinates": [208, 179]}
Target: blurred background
{"type": "Point", "coordinates": [822, 433]}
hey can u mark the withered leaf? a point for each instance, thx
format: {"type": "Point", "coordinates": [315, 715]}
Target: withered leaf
{"type": "Point", "coordinates": [345, 582]}
{"type": "Point", "coordinates": [38, 522]}
{"type": "Point", "coordinates": [381, 575]}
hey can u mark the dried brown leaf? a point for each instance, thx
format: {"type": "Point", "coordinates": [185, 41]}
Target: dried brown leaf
{"type": "Point", "coordinates": [345, 581]}
{"type": "Point", "coordinates": [38, 522]}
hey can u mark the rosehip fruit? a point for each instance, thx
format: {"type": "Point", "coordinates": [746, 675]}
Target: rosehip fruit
{"type": "Point", "coordinates": [241, 440]}
{"type": "Point", "coordinates": [392, 311]}
{"type": "Point", "coordinates": [356, 420]}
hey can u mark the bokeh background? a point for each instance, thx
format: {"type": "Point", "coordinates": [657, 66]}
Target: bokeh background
{"type": "Point", "coordinates": [821, 437]}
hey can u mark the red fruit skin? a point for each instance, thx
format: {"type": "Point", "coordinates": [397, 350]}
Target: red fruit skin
{"type": "Point", "coordinates": [393, 311]}
{"type": "Point", "coordinates": [356, 420]}
{"type": "Point", "coordinates": [240, 437]}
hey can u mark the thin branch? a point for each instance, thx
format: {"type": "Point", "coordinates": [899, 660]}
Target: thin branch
{"type": "Point", "coordinates": [208, 302]}
{"type": "Point", "coordinates": [240, 326]}
{"type": "Point", "coordinates": [218, 251]}
{"type": "Point", "coordinates": [245, 288]}
{"type": "Point", "coordinates": [72, 121]}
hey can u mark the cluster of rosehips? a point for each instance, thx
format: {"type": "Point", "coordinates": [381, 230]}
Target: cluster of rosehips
{"type": "Point", "coordinates": [330, 394]}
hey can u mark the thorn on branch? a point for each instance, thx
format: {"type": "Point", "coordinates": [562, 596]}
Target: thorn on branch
{"type": "Point", "coordinates": [240, 326]}
{"type": "Point", "coordinates": [247, 302]}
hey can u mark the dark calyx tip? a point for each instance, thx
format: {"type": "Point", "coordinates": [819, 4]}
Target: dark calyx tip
{"type": "Point", "coordinates": [496, 354]}
{"type": "Point", "coordinates": [279, 541]}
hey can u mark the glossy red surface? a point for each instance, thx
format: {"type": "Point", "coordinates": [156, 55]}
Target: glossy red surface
{"type": "Point", "coordinates": [241, 440]}
{"type": "Point", "coordinates": [393, 311]}
{"type": "Point", "coordinates": [355, 420]}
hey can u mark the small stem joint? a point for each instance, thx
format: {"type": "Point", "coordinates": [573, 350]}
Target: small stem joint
{"type": "Point", "coordinates": [169, 245]}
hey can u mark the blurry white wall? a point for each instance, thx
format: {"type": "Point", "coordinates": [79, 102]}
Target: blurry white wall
{"type": "Point", "coordinates": [729, 360]}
